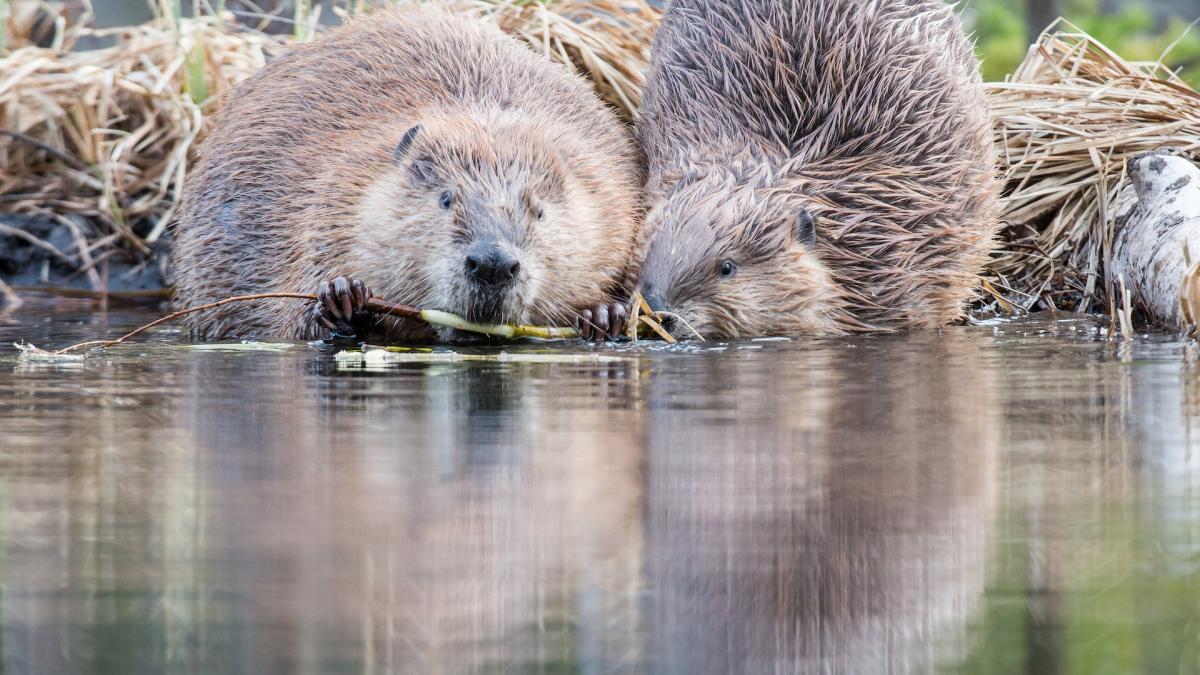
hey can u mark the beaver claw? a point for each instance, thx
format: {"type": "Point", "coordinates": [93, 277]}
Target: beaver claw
{"type": "Point", "coordinates": [604, 321]}
{"type": "Point", "coordinates": [341, 307]}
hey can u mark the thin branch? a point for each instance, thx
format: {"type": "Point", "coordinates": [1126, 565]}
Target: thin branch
{"type": "Point", "coordinates": [71, 160]}
{"type": "Point", "coordinates": [35, 241]}
{"type": "Point", "coordinates": [183, 312]}
{"type": "Point", "coordinates": [375, 305]}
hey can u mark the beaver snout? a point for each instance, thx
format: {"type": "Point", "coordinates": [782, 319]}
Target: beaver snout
{"type": "Point", "coordinates": [655, 301]}
{"type": "Point", "coordinates": [489, 265]}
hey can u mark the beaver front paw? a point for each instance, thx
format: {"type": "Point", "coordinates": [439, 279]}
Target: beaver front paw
{"type": "Point", "coordinates": [602, 322]}
{"type": "Point", "coordinates": [341, 307]}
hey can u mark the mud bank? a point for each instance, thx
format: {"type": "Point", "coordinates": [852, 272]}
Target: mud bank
{"type": "Point", "coordinates": [45, 252]}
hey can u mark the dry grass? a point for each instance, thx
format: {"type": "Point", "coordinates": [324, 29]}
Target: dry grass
{"type": "Point", "coordinates": [607, 41]}
{"type": "Point", "coordinates": [108, 133]}
{"type": "Point", "coordinates": [1065, 123]}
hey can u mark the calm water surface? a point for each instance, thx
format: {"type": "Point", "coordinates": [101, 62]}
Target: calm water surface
{"type": "Point", "coordinates": [995, 499]}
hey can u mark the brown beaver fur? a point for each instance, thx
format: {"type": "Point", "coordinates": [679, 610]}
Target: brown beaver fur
{"type": "Point", "coordinates": [815, 166]}
{"type": "Point", "coordinates": [388, 152]}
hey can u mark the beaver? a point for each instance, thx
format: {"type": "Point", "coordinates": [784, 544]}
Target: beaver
{"type": "Point", "coordinates": [426, 158]}
{"type": "Point", "coordinates": [814, 167]}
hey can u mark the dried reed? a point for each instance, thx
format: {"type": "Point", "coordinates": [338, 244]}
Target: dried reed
{"type": "Point", "coordinates": [1065, 123]}
{"type": "Point", "coordinates": [107, 133]}
{"type": "Point", "coordinates": [606, 41]}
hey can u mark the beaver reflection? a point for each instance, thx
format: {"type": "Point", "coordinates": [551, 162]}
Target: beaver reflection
{"type": "Point", "coordinates": [838, 522]}
{"type": "Point", "coordinates": [444, 518]}
{"type": "Point", "coordinates": [793, 509]}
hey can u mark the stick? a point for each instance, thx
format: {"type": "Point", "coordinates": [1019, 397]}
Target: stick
{"type": "Point", "coordinates": [1158, 227]}
{"type": "Point", "coordinates": [65, 157]}
{"type": "Point", "coordinates": [42, 244]}
{"type": "Point", "coordinates": [431, 316]}
{"type": "Point", "coordinates": [650, 318]}
{"type": "Point", "coordinates": [657, 328]}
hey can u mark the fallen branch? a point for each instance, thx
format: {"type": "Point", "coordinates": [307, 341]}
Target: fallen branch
{"type": "Point", "coordinates": [1158, 228]}
{"type": "Point", "coordinates": [377, 357]}
{"type": "Point", "coordinates": [432, 317]}
{"type": "Point", "coordinates": [64, 157]}
{"type": "Point", "coordinates": [34, 241]}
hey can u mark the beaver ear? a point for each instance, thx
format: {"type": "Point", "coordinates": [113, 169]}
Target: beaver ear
{"type": "Point", "coordinates": [805, 228]}
{"type": "Point", "coordinates": [405, 143]}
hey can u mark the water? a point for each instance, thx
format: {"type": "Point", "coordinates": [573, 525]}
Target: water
{"type": "Point", "coordinates": [1001, 499]}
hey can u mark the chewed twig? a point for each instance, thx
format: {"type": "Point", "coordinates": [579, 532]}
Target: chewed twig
{"type": "Point", "coordinates": [445, 319]}
{"type": "Point", "coordinates": [375, 305]}
{"type": "Point", "coordinates": [643, 314]}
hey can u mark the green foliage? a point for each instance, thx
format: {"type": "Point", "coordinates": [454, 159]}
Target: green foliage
{"type": "Point", "coordinates": [1133, 32]}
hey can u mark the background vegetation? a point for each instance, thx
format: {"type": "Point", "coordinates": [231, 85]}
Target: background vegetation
{"type": "Point", "coordinates": [1139, 30]}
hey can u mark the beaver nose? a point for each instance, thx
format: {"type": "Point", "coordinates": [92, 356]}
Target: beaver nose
{"type": "Point", "coordinates": [487, 265]}
{"type": "Point", "coordinates": [655, 301]}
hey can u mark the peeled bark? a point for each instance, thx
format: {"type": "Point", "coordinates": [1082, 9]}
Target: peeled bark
{"type": "Point", "coordinates": [1157, 242]}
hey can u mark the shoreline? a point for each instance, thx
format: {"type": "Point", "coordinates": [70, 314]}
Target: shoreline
{"type": "Point", "coordinates": [41, 254]}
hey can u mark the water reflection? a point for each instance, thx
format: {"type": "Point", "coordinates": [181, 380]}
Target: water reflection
{"type": "Point", "coordinates": [837, 519]}
{"type": "Point", "coordinates": [899, 504]}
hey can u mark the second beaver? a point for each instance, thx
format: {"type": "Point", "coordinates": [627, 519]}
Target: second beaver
{"type": "Point", "coordinates": [431, 159]}
{"type": "Point", "coordinates": [815, 166]}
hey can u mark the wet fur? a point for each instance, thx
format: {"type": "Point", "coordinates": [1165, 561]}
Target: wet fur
{"type": "Point", "coordinates": [304, 178]}
{"type": "Point", "coordinates": [869, 114]}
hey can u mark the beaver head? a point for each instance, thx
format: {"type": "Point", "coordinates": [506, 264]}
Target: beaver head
{"type": "Point", "coordinates": [732, 253]}
{"type": "Point", "coordinates": [480, 215]}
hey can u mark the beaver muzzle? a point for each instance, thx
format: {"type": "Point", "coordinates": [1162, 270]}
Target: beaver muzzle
{"type": "Point", "coordinates": [490, 266]}
{"type": "Point", "coordinates": [655, 300]}
{"type": "Point", "coordinates": [657, 304]}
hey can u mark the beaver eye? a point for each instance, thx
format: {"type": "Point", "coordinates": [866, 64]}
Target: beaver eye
{"type": "Point", "coordinates": [447, 200]}
{"type": "Point", "coordinates": [728, 268]}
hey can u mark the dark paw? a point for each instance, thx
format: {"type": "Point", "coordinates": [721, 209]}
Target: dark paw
{"type": "Point", "coordinates": [341, 307]}
{"type": "Point", "coordinates": [602, 322]}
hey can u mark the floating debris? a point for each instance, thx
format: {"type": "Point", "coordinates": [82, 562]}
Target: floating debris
{"type": "Point", "coordinates": [245, 346]}
{"type": "Point", "coordinates": [381, 358]}
{"type": "Point", "coordinates": [37, 354]}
